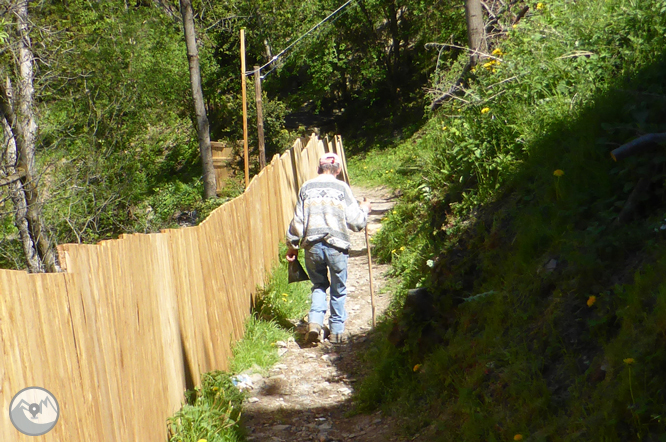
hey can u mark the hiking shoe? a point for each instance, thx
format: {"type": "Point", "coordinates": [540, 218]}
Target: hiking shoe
{"type": "Point", "coordinates": [314, 330]}
{"type": "Point", "coordinates": [337, 338]}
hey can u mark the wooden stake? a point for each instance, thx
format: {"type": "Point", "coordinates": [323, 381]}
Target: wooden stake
{"type": "Point", "coordinates": [337, 140]}
{"type": "Point", "coordinates": [372, 289]}
{"type": "Point", "coordinates": [244, 87]}
{"type": "Point", "coordinates": [260, 118]}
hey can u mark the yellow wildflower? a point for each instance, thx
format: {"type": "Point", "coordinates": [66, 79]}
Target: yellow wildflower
{"type": "Point", "coordinates": [539, 6]}
{"type": "Point", "coordinates": [591, 300]}
{"type": "Point", "coordinates": [498, 52]}
{"type": "Point", "coordinates": [202, 440]}
{"type": "Point", "coordinates": [417, 367]}
{"type": "Point", "coordinates": [629, 361]}
{"type": "Point", "coordinates": [393, 251]}
{"type": "Point", "coordinates": [365, 167]}
{"type": "Point", "coordinates": [558, 173]}
{"type": "Point", "coordinates": [485, 110]}
{"type": "Point", "coordinates": [392, 170]}
{"type": "Point", "coordinates": [402, 249]}
{"type": "Point", "coordinates": [473, 69]}
{"type": "Point", "coordinates": [444, 128]}
{"type": "Point", "coordinates": [518, 437]}
{"type": "Point", "coordinates": [514, 26]}
{"type": "Point", "coordinates": [395, 213]}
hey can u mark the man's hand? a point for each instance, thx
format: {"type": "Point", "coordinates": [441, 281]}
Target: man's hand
{"type": "Point", "coordinates": [292, 254]}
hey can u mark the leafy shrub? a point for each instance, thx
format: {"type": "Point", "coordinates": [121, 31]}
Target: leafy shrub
{"type": "Point", "coordinates": [212, 413]}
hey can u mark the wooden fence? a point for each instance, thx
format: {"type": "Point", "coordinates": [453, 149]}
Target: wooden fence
{"type": "Point", "coordinates": [133, 322]}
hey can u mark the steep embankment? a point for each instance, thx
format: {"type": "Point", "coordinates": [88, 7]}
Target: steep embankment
{"type": "Point", "coordinates": [543, 309]}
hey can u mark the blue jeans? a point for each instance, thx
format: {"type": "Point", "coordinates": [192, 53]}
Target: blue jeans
{"type": "Point", "coordinates": [319, 259]}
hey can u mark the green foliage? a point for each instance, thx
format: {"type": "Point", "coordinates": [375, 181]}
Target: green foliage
{"type": "Point", "coordinates": [212, 413]}
{"type": "Point", "coordinates": [257, 348]}
{"type": "Point", "coordinates": [540, 299]}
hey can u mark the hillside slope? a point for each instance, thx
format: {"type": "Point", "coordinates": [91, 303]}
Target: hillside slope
{"type": "Point", "coordinates": [542, 311]}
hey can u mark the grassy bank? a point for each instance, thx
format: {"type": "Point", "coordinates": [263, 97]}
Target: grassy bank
{"type": "Point", "coordinates": [543, 315]}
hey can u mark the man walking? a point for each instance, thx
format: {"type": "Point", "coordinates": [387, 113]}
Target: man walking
{"type": "Point", "coordinates": [325, 211]}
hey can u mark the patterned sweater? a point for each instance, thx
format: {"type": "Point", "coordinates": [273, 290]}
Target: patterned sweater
{"type": "Point", "coordinates": [326, 208]}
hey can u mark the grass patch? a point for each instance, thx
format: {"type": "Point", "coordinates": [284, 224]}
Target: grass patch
{"type": "Point", "coordinates": [257, 348]}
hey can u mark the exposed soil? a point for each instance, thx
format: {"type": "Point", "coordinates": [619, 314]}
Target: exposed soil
{"type": "Point", "coordinates": [307, 395]}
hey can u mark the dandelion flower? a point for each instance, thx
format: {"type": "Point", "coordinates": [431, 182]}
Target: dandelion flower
{"type": "Point", "coordinates": [393, 251]}
{"type": "Point", "coordinates": [417, 367]}
{"type": "Point", "coordinates": [498, 52]}
{"type": "Point", "coordinates": [518, 437]}
{"type": "Point", "coordinates": [444, 128]}
{"type": "Point", "coordinates": [558, 173]}
{"type": "Point", "coordinates": [392, 170]}
{"type": "Point", "coordinates": [629, 361]}
{"type": "Point", "coordinates": [485, 110]}
{"type": "Point", "coordinates": [365, 167]}
{"type": "Point", "coordinates": [591, 300]}
{"type": "Point", "coordinates": [402, 248]}
{"type": "Point", "coordinates": [539, 6]}
{"type": "Point", "coordinates": [202, 440]}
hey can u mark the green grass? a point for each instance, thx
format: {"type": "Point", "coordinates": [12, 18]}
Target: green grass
{"type": "Point", "coordinates": [212, 410]}
{"type": "Point", "coordinates": [257, 348]}
{"type": "Point", "coordinates": [508, 346]}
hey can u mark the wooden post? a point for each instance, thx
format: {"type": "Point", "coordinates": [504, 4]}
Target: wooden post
{"type": "Point", "coordinates": [260, 118]}
{"type": "Point", "coordinates": [341, 153]}
{"type": "Point", "coordinates": [244, 87]}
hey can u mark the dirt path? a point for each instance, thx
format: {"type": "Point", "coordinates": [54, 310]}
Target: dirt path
{"type": "Point", "coordinates": [306, 396]}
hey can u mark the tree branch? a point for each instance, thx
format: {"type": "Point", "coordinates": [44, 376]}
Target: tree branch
{"type": "Point", "coordinates": [12, 178]}
{"type": "Point", "coordinates": [639, 145]}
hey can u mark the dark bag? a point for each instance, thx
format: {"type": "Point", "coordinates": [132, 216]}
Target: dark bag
{"type": "Point", "coordinates": [297, 272]}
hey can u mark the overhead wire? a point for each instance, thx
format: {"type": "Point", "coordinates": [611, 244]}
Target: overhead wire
{"type": "Point", "coordinates": [284, 58]}
{"type": "Point", "coordinates": [282, 52]}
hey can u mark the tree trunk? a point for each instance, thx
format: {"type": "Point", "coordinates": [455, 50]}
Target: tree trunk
{"type": "Point", "coordinates": [197, 94]}
{"type": "Point", "coordinates": [475, 29]}
{"type": "Point", "coordinates": [394, 53]}
{"type": "Point", "coordinates": [27, 135]}
{"type": "Point", "coordinates": [20, 134]}
{"type": "Point", "coordinates": [17, 196]}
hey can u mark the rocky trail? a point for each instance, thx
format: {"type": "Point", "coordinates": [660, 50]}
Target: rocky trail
{"type": "Point", "coordinates": [307, 395]}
